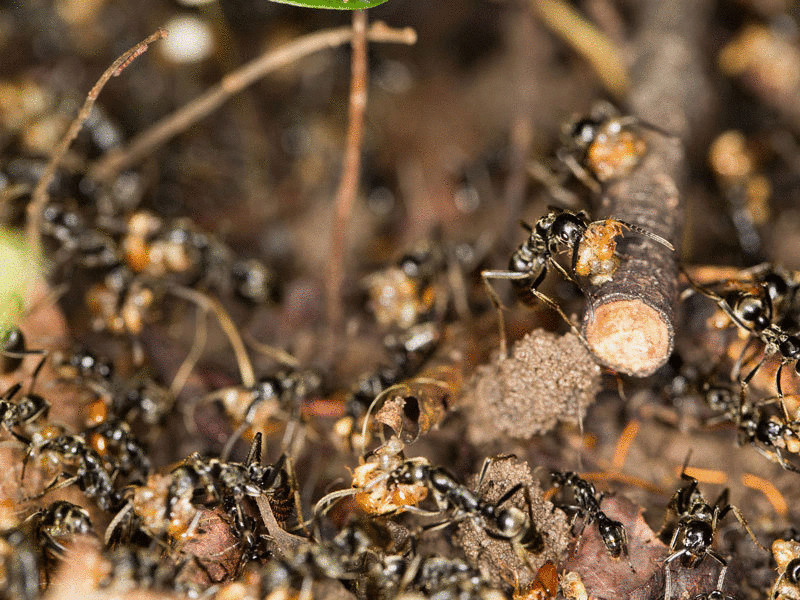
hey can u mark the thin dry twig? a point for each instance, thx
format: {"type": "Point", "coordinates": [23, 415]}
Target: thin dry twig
{"type": "Point", "coordinates": [351, 167]}
{"type": "Point", "coordinates": [167, 128]}
{"type": "Point", "coordinates": [39, 195]}
{"type": "Point", "coordinates": [209, 304]}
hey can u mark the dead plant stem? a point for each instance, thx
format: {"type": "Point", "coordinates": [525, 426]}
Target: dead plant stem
{"type": "Point", "coordinates": [351, 167]}
{"type": "Point", "coordinates": [39, 195]}
{"type": "Point", "coordinates": [107, 167]}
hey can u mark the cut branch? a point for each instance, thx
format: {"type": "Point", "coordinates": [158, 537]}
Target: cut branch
{"type": "Point", "coordinates": [39, 195]}
{"type": "Point", "coordinates": [630, 325]}
{"type": "Point", "coordinates": [351, 167]}
{"type": "Point", "coordinates": [167, 128]}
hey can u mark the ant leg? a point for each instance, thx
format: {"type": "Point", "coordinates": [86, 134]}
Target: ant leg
{"type": "Point", "coordinates": [740, 360]}
{"type": "Point", "coordinates": [778, 383]}
{"type": "Point", "coordinates": [486, 276]}
{"type": "Point", "coordinates": [508, 494]}
{"type": "Point", "coordinates": [488, 461]}
{"type": "Point", "coordinates": [743, 522]}
{"type": "Point", "coordinates": [755, 369]}
{"type": "Point", "coordinates": [552, 304]}
{"type": "Point", "coordinates": [231, 441]}
{"type": "Point", "coordinates": [115, 522]}
{"type": "Point", "coordinates": [577, 169]}
{"type": "Point", "coordinates": [54, 485]}
{"type": "Point", "coordinates": [776, 456]}
{"type": "Point", "coordinates": [667, 573]}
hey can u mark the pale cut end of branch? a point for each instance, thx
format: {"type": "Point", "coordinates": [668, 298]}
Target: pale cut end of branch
{"type": "Point", "coordinates": [630, 337]}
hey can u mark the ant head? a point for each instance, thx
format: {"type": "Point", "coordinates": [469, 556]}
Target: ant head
{"type": "Point", "coordinates": [752, 310]}
{"type": "Point", "coordinates": [568, 228]}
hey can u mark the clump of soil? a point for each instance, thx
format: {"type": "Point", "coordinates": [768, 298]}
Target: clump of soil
{"type": "Point", "coordinates": [548, 378]}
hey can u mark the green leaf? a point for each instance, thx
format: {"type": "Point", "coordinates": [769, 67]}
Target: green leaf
{"type": "Point", "coordinates": [17, 273]}
{"type": "Point", "coordinates": [335, 4]}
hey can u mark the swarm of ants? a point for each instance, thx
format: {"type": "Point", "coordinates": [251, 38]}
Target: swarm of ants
{"type": "Point", "coordinates": [192, 405]}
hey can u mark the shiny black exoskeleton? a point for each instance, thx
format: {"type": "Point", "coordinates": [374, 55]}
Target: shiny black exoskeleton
{"type": "Point", "coordinates": [408, 352]}
{"type": "Point", "coordinates": [121, 448]}
{"type": "Point", "coordinates": [23, 411]}
{"type": "Point", "coordinates": [697, 523]}
{"type": "Point", "coordinates": [556, 231]}
{"type": "Point", "coordinates": [57, 524]}
{"type": "Point", "coordinates": [227, 484]}
{"type": "Point", "coordinates": [587, 506]}
{"type": "Point", "coordinates": [90, 472]}
{"type": "Point", "coordinates": [503, 523]}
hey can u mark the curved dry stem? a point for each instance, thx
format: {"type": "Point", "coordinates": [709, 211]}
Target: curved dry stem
{"type": "Point", "coordinates": [164, 130]}
{"type": "Point", "coordinates": [198, 345]}
{"type": "Point", "coordinates": [228, 326]}
{"type": "Point", "coordinates": [39, 195]}
{"type": "Point", "coordinates": [277, 354]}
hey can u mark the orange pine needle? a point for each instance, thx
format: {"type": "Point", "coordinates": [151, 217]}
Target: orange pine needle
{"type": "Point", "coordinates": [705, 475]}
{"type": "Point", "coordinates": [626, 479]}
{"type": "Point", "coordinates": [769, 490]}
{"type": "Point", "coordinates": [624, 444]}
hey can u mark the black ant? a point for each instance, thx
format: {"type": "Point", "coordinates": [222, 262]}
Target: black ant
{"type": "Point", "coordinates": [271, 397]}
{"type": "Point", "coordinates": [113, 438]}
{"type": "Point", "coordinates": [24, 411]}
{"type": "Point", "coordinates": [57, 524]}
{"type": "Point", "coordinates": [408, 351]}
{"type": "Point", "coordinates": [405, 294]}
{"type": "Point", "coordinates": [697, 523]}
{"type": "Point", "coordinates": [587, 505]}
{"type": "Point", "coordinates": [604, 146]}
{"type": "Point", "coordinates": [592, 246]}
{"type": "Point", "coordinates": [82, 363]}
{"type": "Point", "coordinates": [450, 579]}
{"type": "Point", "coordinates": [751, 307]}
{"type": "Point", "coordinates": [510, 524]}
{"type": "Point", "coordinates": [189, 256]}
{"type": "Point", "coordinates": [91, 247]}
{"type": "Point", "coordinates": [769, 434]}
{"type": "Point", "coordinates": [227, 484]}
{"type": "Point", "coordinates": [90, 475]}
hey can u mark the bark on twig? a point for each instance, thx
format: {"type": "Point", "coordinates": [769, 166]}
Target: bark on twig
{"type": "Point", "coordinates": [630, 322]}
{"type": "Point", "coordinates": [39, 195]}
{"type": "Point", "coordinates": [351, 168]}
{"type": "Point", "coordinates": [147, 141]}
